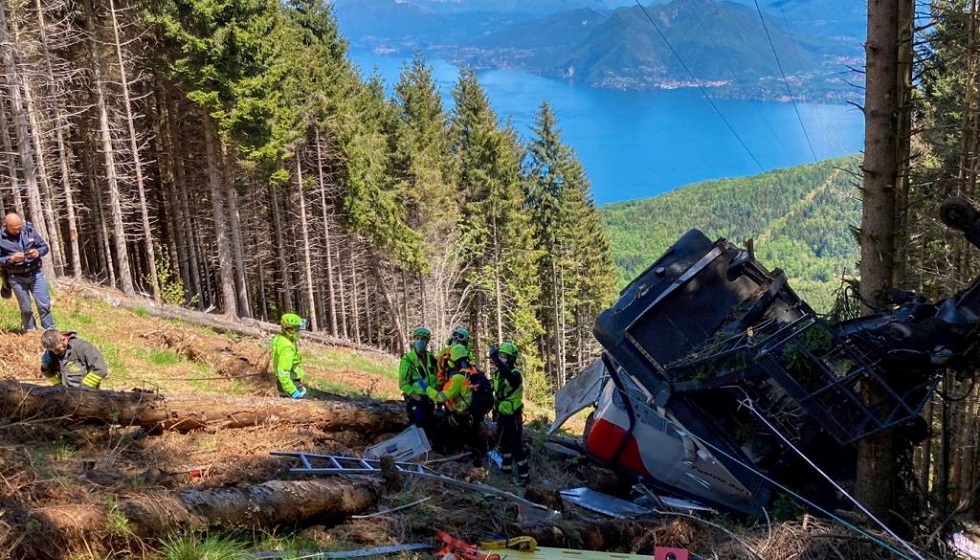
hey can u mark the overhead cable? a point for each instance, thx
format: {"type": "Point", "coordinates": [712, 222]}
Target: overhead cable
{"type": "Point", "coordinates": [779, 64]}
{"type": "Point", "coordinates": [700, 87]}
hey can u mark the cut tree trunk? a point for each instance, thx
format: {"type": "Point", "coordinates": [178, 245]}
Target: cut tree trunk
{"type": "Point", "coordinates": [262, 507]}
{"type": "Point", "coordinates": [185, 413]}
{"type": "Point", "coordinates": [272, 504]}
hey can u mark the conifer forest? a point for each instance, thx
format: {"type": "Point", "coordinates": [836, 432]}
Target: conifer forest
{"type": "Point", "coordinates": [226, 156]}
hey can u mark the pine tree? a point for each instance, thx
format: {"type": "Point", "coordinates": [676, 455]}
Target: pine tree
{"type": "Point", "coordinates": [500, 256]}
{"type": "Point", "coordinates": [420, 169]}
{"type": "Point", "coordinates": [576, 267]}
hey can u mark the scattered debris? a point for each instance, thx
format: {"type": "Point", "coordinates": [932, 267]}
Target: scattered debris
{"type": "Point", "coordinates": [394, 509]}
{"type": "Point", "coordinates": [604, 503]}
{"type": "Point", "coordinates": [355, 465]}
{"type": "Point", "coordinates": [406, 446]}
{"type": "Point", "coordinates": [338, 554]}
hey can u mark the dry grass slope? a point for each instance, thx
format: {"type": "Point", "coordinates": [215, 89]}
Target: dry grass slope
{"type": "Point", "coordinates": [62, 482]}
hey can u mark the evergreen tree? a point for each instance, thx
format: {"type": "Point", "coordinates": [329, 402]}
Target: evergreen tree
{"type": "Point", "coordinates": [500, 257]}
{"type": "Point", "coordinates": [576, 267]}
{"type": "Point", "coordinates": [419, 169]}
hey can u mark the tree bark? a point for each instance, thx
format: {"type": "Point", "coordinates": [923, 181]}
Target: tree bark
{"type": "Point", "coordinates": [23, 133]}
{"type": "Point", "coordinates": [327, 248]}
{"type": "Point", "coordinates": [878, 455]}
{"type": "Point", "coordinates": [225, 268]}
{"type": "Point", "coordinates": [112, 179]}
{"type": "Point", "coordinates": [307, 259]}
{"type": "Point", "coordinates": [235, 225]}
{"type": "Point", "coordinates": [276, 503]}
{"type": "Point", "coordinates": [60, 122]}
{"type": "Point", "coordinates": [148, 249]}
{"type": "Point", "coordinates": [8, 154]}
{"type": "Point", "coordinates": [44, 222]}
{"type": "Point", "coordinates": [187, 413]}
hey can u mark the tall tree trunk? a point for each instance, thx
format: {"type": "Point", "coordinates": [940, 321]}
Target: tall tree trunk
{"type": "Point", "coordinates": [498, 307]}
{"type": "Point", "coordinates": [48, 226]}
{"type": "Point", "coordinates": [225, 265]}
{"type": "Point", "coordinates": [148, 247]}
{"type": "Point", "coordinates": [328, 250]}
{"type": "Point", "coordinates": [60, 122]}
{"type": "Point", "coordinates": [305, 235]}
{"type": "Point", "coordinates": [20, 119]}
{"type": "Point", "coordinates": [104, 236]}
{"type": "Point", "coordinates": [9, 154]}
{"type": "Point", "coordinates": [390, 301]}
{"type": "Point", "coordinates": [355, 313]}
{"type": "Point", "coordinates": [125, 281]}
{"type": "Point", "coordinates": [44, 221]}
{"type": "Point", "coordinates": [186, 216]}
{"type": "Point", "coordinates": [235, 223]}
{"type": "Point", "coordinates": [878, 455]}
{"type": "Point", "coordinates": [342, 289]}
{"type": "Point", "coordinates": [285, 291]}
{"type": "Point", "coordinates": [165, 152]}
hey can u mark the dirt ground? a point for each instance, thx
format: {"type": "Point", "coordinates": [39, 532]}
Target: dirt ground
{"type": "Point", "coordinates": [60, 481]}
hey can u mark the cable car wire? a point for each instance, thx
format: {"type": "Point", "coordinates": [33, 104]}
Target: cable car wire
{"type": "Point", "coordinates": [779, 64]}
{"type": "Point", "coordinates": [701, 88]}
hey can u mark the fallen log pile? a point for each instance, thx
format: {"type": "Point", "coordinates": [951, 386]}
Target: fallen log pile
{"type": "Point", "coordinates": [23, 401]}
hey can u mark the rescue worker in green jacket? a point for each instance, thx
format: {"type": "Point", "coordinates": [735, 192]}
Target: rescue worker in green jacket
{"type": "Point", "coordinates": [508, 396]}
{"type": "Point", "coordinates": [416, 373]}
{"type": "Point", "coordinates": [461, 427]}
{"type": "Point", "coordinates": [71, 361]}
{"type": "Point", "coordinates": [459, 336]}
{"type": "Point", "coordinates": [286, 359]}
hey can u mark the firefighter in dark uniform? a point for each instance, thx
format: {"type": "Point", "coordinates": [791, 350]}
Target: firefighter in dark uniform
{"type": "Point", "coordinates": [71, 361]}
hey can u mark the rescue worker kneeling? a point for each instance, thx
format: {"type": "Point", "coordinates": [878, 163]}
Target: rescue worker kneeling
{"type": "Point", "coordinates": [468, 398]}
{"type": "Point", "coordinates": [71, 361]}
{"type": "Point", "coordinates": [508, 396]}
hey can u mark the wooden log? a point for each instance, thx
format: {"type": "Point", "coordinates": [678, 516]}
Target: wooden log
{"type": "Point", "coordinates": [264, 506]}
{"type": "Point", "coordinates": [218, 352]}
{"type": "Point", "coordinates": [330, 413]}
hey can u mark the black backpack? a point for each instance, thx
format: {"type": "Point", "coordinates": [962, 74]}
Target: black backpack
{"type": "Point", "coordinates": [481, 400]}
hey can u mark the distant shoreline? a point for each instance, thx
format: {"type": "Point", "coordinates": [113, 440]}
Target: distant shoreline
{"type": "Point", "coordinates": [764, 89]}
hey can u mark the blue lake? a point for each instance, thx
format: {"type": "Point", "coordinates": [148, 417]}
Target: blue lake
{"type": "Point", "coordinates": [637, 144]}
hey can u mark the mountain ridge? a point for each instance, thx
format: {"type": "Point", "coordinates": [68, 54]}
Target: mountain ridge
{"type": "Point", "coordinates": [723, 45]}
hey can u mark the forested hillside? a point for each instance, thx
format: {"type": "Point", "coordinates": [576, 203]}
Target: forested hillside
{"type": "Point", "coordinates": [227, 156]}
{"type": "Point", "coordinates": [800, 218]}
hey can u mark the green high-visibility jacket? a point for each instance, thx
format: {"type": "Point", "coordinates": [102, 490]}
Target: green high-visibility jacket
{"type": "Point", "coordinates": [508, 389]}
{"type": "Point", "coordinates": [414, 368]}
{"type": "Point", "coordinates": [287, 362]}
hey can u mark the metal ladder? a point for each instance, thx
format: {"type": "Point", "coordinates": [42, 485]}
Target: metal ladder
{"type": "Point", "coordinates": [339, 464]}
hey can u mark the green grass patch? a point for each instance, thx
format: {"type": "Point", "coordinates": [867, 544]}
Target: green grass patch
{"type": "Point", "coordinates": [202, 547]}
{"type": "Point", "coordinates": [334, 359]}
{"type": "Point", "coordinates": [164, 357]}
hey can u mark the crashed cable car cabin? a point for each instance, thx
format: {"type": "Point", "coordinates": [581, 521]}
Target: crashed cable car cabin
{"type": "Point", "coordinates": [715, 370]}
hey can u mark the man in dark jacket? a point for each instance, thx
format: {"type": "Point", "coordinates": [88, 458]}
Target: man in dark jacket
{"type": "Point", "coordinates": [21, 249]}
{"type": "Point", "coordinates": [71, 361]}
